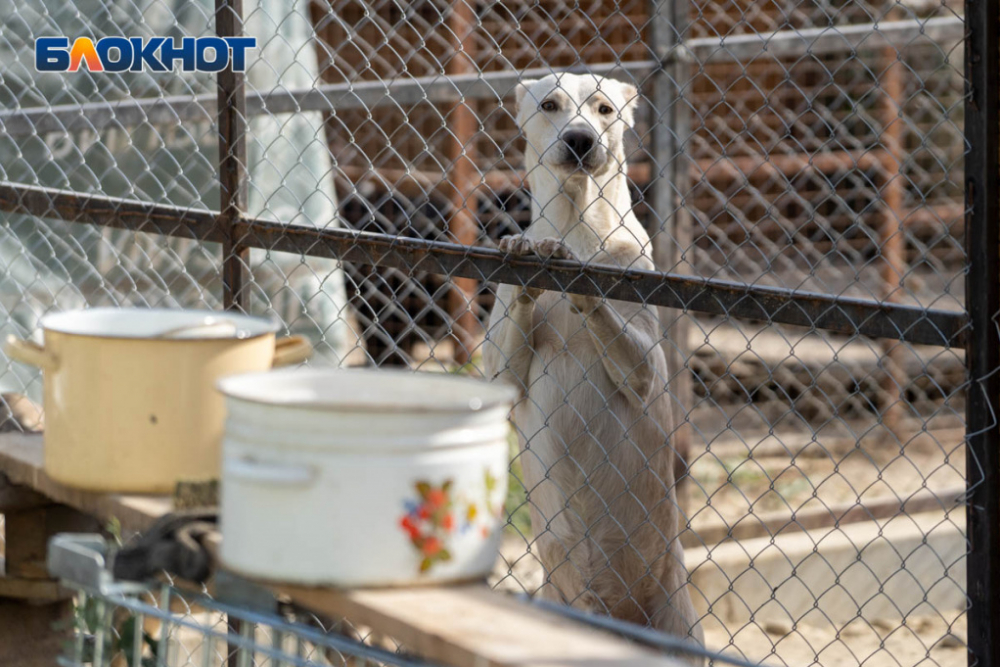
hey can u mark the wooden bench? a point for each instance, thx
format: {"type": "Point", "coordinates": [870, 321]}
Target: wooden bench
{"type": "Point", "coordinates": [463, 626]}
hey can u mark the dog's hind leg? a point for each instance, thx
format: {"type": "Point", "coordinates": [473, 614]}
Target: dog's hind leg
{"type": "Point", "coordinates": [674, 613]}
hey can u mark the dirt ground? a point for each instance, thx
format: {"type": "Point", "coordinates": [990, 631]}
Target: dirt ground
{"type": "Point", "coordinates": [733, 478]}
{"type": "Point", "coordinates": [925, 640]}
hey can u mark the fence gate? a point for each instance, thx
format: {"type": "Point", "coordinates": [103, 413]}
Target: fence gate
{"type": "Point", "coordinates": [819, 184]}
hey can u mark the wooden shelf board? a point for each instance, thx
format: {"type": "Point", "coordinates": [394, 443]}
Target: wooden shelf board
{"type": "Point", "coordinates": [463, 626]}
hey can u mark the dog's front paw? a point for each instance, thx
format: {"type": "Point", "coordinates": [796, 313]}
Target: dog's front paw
{"type": "Point", "coordinates": [549, 248]}
{"type": "Point", "coordinates": [515, 245]}
{"type": "Point", "coordinates": [553, 248]}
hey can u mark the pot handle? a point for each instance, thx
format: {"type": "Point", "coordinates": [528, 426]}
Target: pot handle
{"type": "Point", "coordinates": [291, 350]}
{"type": "Point", "coordinates": [284, 474]}
{"type": "Point", "coordinates": [28, 352]}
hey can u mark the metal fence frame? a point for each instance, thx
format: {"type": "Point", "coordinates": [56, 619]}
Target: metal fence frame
{"type": "Point", "coordinates": [976, 330]}
{"type": "Point", "coordinates": [982, 239]}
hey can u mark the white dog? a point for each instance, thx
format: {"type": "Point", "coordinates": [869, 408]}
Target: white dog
{"type": "Point", "coordinates": [595, 421]}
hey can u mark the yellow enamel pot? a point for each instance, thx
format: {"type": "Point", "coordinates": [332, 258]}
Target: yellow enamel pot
{"type": "Point", "coordinates": [129, 394]}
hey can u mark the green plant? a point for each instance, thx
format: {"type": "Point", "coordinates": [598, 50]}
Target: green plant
{"type": "Point", "coordinates": [743, 473]}
{"type": "Point", "coordinates": [126, 642]}
{"type": "Point", "coordinates": [792, 488]}
{"type": "Point", "coordinates": [87, 620]}
{"type": "Point", "coordinates": [114, 528]}
{"type": "Point", "coordinates": [472, 367]}
{"type": "Point", "coordinates": [516, 504]}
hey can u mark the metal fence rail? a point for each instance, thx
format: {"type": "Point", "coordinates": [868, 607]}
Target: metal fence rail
{"type": "Point", "coordinates": [846, 315]}
{"type": "Point", "coordinates": [484, 86]}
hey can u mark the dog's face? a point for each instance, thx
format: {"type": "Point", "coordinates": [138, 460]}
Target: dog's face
{"type": "Point", "coordinates": [574, 123]}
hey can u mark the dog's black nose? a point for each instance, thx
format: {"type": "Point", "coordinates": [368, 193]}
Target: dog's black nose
{"type": "Point", "coordinates": [579, 143]}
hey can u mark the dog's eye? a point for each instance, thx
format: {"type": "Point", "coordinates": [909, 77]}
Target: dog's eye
{"type": "Point", "coordinates": [548, 105]}
{"type": "Point", "coordinates": [605, 109]}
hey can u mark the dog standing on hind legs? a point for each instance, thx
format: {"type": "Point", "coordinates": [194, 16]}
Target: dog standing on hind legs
{"type": "Point", "coordinates": [594, 421]}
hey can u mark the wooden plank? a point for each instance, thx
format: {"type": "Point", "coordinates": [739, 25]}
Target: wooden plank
{"type": "Point", "coordinates": [468, 625]}
{"type": "Point", "coordinates": [27, 534]}
{"type": "Point", "coordinates": [35, 590]}
{"type": "Point", "coordinates": [14, 497]}
{"type": "Point", "coordinates": [21, 462]}
{"type": "Point", "coordinates": [472, 626]}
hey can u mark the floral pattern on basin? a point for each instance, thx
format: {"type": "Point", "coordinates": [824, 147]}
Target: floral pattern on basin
{"type": "Point", "coordinates": [436, 515]}
{"type": "Point", "coordinates": [429, 521]}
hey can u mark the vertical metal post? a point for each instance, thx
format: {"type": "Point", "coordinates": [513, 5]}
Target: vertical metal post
{"type": "Point", "coordinates": [234, 627]}
{"type": "Point", "coordinates": [464, 176]}
{"type": "Point", "coordinates": [163, 644]}
{"type": "Point", "coordinates": [671, 173]}
{"type": "Point", "coordinates": [982, 296]}
{"type": "Point", "coordinates": [232, 161]}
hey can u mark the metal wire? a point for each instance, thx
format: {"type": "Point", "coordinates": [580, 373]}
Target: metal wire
{"type": "Point", "coordinates": [798, 169]}
{"type": "Point", "coordinates": [193, 629]}
{"type": "Point", "coordinates": [180, 627]}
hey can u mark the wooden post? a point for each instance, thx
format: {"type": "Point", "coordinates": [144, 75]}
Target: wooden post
{"type": "Point", "coordinates": [891, 236]}
{"type": "Point", "coordinates": [464, 176]}
{"type": "Point", "coordinates": [35, 613]}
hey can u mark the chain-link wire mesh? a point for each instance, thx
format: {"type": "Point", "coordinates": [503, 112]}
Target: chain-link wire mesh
{"type": "Point", "coordinates": [136, 626]}
{"type": "Point", "coordinates": [179, 628]}
{"type": "Point", "coordinates": [784, 444]}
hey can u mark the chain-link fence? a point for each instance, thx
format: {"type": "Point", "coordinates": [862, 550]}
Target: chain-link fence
{"type": "Point", "coordinates": [169, 626]}
{"type": "Point", "coordinates": [133, 626]}
{"type": "Point", "coordinates": [735, 297]}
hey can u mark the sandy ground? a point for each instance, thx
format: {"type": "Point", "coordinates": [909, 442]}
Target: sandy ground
{"type": "Point", "coordinates": [734, 476]}
{"type": "Point", "coordinates": [925, 640]}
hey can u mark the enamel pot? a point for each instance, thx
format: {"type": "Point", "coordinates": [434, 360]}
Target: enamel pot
{"type": "Point", "coordinates": [363, 477]}
{"type": "Point", "coordinates": [129, 394]}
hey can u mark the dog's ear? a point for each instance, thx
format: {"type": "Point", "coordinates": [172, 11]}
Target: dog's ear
{"type": "Point", "coordinates": [630, 96]}
{"type": "Point", "coordinates": [519, 92]}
